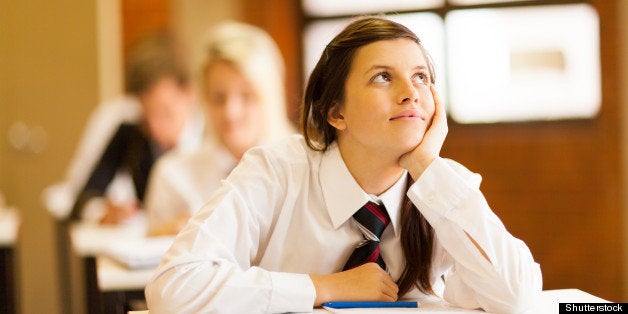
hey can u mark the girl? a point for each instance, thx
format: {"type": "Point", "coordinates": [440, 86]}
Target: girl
{"type": "Point", "coordinates": [280, 234]}
{"type": "Point", "coordinates": [243, 87]}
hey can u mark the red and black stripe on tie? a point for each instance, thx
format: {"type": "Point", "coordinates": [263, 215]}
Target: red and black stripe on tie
{"type": "Point", "coordinates": [372, 220]}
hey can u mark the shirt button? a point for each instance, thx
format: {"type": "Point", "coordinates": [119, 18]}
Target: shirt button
{"type": "Point", "coordinates": [431, 199]}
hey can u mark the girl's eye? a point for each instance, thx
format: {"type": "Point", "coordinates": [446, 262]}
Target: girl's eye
{"type": "Point", "coordinates": [421, 78]}
{"type": "Point", "coordinates": [382, 77]}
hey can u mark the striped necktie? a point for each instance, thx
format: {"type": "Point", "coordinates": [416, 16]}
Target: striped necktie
{"type": "Point", "coordinates": [371, 219]}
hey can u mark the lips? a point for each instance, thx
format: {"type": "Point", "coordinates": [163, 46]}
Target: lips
{"type": "Point", "coordinates": [408, 115]}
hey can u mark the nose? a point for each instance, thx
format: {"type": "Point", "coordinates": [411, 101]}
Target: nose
{"type": "Point", "coordinates": [408, 93]}
{"type": "Point", "coordinates": [233, 108]}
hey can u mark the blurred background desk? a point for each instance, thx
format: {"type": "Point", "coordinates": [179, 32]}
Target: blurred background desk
{"type": "Point", "coordinates": [121, 288]}
{"type": "Point", "coordinates": [108, 285]}
{"type": "Point", "coordinates": [9, 226]}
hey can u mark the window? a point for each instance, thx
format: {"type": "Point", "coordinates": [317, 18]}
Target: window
{"type": "Point", "coordinates": [353, 7]}
{"type": "Point", "coordinates": [495, 61]}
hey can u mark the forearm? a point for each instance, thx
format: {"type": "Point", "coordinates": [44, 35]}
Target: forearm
{"type": "Point", "coordinates": [493, 269]}
{"type": "Point", "coordinates": [209, 268]}
{"type": "Point", "coordinates": [202, 287]}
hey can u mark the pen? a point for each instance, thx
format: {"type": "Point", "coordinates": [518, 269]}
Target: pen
{"type": "Point", "coordinates": [345, 305]}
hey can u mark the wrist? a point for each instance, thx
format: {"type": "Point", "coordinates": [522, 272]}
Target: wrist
{"type": "Point", "coordinates": [417, 168]}
{"type": "Point", "coordinates": [322, 287]}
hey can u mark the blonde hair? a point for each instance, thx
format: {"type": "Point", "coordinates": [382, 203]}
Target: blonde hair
{"type": "Point", "coordinates": [252, 51]}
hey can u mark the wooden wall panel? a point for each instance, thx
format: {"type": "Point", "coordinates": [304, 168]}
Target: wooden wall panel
{"type": "Point", "coordinates": [282, 20]}
{"type": "Point", "coordinates": [141, 17]}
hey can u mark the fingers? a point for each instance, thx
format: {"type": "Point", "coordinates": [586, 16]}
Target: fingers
{"type": "Point", "coordinates": [440, 114]}
{"type": "Point", "coordinates": [436, 98]}
{"type": "Point", "coordinates": [390, 289]}
{"type": "Point", "coordinates": [118, 213]}
{"type": "Point", "coordinates": [383, 286]}
{"type": "Point", "coordinates": [367, 282]}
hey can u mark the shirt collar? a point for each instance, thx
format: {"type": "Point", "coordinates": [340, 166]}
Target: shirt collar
{"type": "Point", "coordinates": [218, 154]}
{"type": "Point", "coordinates": [192, 133]}
{"type": "Point", "coordinates": [343, 196]}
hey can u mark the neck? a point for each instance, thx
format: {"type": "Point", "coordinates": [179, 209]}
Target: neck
{"type": "Point", "coordinates": [375, 172]}
{"type": "Point", "coordinates": [236, 152]}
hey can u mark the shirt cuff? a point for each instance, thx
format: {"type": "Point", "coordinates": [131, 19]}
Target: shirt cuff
{"type": "Point", "coordinates": [448, 190]}
{"type": "Point", "coordinates": [440, 188]}
{"type": "Point", "coordinates": [291, 293]}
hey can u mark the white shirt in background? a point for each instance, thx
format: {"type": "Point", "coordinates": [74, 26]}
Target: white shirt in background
{"type": "Point", "coordinates": [181, 182]}
{"type": "Point", "coordinates": [285, 212]}
{"type": "Point", "coordinates": [60, 197]}
{"type": "Point", "coordinates": [121, 190]}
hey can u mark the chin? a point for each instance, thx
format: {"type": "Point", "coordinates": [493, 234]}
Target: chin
{"type": "Point", "coordinates": [413, 141]}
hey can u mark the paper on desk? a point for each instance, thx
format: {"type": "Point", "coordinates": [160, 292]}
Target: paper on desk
{"type": "Point", "coordinates": [9, 225]}
{"type": "Point", "coordinates": [139, 253]}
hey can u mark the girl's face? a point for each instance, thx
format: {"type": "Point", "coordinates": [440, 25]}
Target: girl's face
{"type": "Point", "coordinates": [388, 104]}
{"type": "Point", "coordinates": [234, 107]}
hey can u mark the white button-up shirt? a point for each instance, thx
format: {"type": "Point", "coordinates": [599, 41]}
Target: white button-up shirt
{"type": "Point", "coordinates": [181, 182]}
{"type": "Point", "coordinates": [285, 212]}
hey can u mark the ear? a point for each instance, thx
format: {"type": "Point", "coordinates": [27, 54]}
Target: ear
{"type": "Point", "coordinates": [335, 118]}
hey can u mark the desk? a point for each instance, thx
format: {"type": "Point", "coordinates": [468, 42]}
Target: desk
{"type": "Point", "coordinates": [120, 285]}
{"type": "Point", "coordinates": [9, 226]}
{"type": "Point", "coordinates": [108, 286]}
{"type": "Point", "coordinates": [548, 305]}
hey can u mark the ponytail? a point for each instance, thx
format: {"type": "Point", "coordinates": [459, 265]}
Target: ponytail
{"type": "Point", "coordinates": [417, 239]}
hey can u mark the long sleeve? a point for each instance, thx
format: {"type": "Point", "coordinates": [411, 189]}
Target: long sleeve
{"type": "Point", "coordinates": [448, 195]}
{"type": "Point", "coordinates": [103, 173]}
{"type": "Point", "coordinates": [129, 150]}
{"type": "Point", "coordinates": [99, 130]}
{"type": "Point", "coordinates": [181, 182]}
{"type": "Point", "coordinates": [213, 263]}
{"type": "Point", "coordinates": [166, 197]}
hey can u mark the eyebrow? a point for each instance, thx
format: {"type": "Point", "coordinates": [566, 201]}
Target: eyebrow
{"type": "Point", "coordinates": [385, 67]}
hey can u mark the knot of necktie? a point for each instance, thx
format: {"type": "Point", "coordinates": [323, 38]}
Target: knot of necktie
{"type": "Point", "coordinates": [371, 219]}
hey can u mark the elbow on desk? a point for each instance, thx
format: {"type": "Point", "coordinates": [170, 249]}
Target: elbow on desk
{"type": "Point", "coordinates": [519, 304]}
{"type": "Point", "coordinates": [166, 295]}
{"type": "Point", "coordinates": [186, 288]}
{"type": "Point", "coordinates": [158, 297]}
{"type": "Point", "coordinates": [523, 294]}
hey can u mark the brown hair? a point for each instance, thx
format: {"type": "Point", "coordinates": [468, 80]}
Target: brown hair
{"type": "Point", "coordinates": [325, 88]}
{"type": "Point", "coordinates": [152, 58]}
